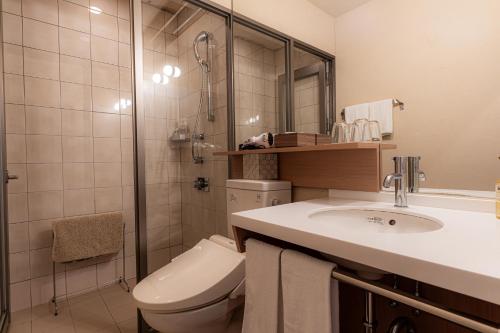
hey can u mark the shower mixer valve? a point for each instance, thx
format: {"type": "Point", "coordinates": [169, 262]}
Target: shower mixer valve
{"type": "Point", "coordinates": [201, 184]}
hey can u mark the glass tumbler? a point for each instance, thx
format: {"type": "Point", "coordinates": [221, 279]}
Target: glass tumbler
{"type": "Point", "coordinates": [341, 133]}
{"type": "Point", "coordinates": [375, 133]}
{"type": "Point", "coordinates": [361, 130]}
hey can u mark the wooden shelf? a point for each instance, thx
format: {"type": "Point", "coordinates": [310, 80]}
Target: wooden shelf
{"type": "Point", "coordinates": [324, 147]}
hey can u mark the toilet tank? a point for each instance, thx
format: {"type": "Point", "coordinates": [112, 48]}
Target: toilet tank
{"type": "Point", "coordinates": [245, 194]}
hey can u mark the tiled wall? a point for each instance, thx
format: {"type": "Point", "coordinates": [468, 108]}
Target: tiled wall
{"type": "Point", "coordinates": [255, 76]}
{"type": "Point", "coordinates": [163, 187]}
{"type": "Point", "coordinates": [306, 95]}
{"type": "Point", "coordinates": [69, 135]}
{"type": "Point", "coordinates": [204, 213]}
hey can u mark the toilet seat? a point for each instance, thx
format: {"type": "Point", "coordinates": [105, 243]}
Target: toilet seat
{"type": "Point", "coordinates": [202, 275]}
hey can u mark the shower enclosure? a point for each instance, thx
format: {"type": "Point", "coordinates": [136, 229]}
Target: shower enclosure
{"type": "Point", "coordinates": [205, 79]}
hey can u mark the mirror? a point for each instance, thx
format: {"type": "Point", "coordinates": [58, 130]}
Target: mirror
{"type": "Point", "coordinates": [441, 59]}
{"type": "Point", "coordinates": [259, 60]}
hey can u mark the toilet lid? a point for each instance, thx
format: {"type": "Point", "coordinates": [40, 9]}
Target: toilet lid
{"type": "Point", "coordinates": [205, 273]}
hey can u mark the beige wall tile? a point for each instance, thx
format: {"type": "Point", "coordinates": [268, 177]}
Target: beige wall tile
{"type": "Point", "coordinates": [152, 16]}
{"type": "Point", "coordinates": [39, 35]}
{"type": "Point", "coordinates": [126, 127]}
{"type": "Point", "coordinates": [76, 123]}
{"type": "Point", "coordinates": [14, 89]}
{"type": "Point", "coordinates": [81, 279]}
{"type": "Point", "coordinates": [105, 75]}
{"type": "Point", "coordinates": [16, 148]}
{"type": "Point", "coordinates": [76, 96]}
{"type": "Point", "coordinates": [41, 64]}
{"type": "Point", "coordinates": [17, 185]}
{"type": "Point", "coordinates": [43, 149]}
{"type": "Point", "coordinates": [19, 264]}
{"type": "Point", "coordinates": [78, 202]}
{"type": "Point", "coordinates": [105, 100]}
{"type": "Point", "coordinates": [40, 120]}
{"type": "Point", "coordinates": [42, 292]}
{"type": "Point", "coordinates": [106, 125]}
{"type": "Point", "coordinates": [104, 25]}
{"type": "Point", "coordinates": [12, 6]}
{"type": "Point", "coordinates": [42, 92]}
{"type": "Point", "coordinates": [74, 43]}
{"type": "Point", "coordinates": [107, 6]}
{"type": "Point", "coordinates": [41, 263]}
{"type": "Point", "coordinates": [124, 31]}
{"type": "Point", "coordinates": [125, 102]}
{"type": "Point", "coordinates": [18, 207]}
{"type": "Point", "coordinates": [108, 174]}
{"type": "Point", "coordinates": [12, 29]}
{"type": "Point", "coordinates": [15, 119]}
{"type": "Point", "coordinates": [12, 59]}
{"type": "Point", "coordinates": [45, 177]}
{"type": "Point", "coordinates": [124, 55]}
{"type": "Point", "coordinates": [108, 199]}
{"type": "Point", "coordinates": [75, 70]}
{"type": "Point", "coordinates": [42, 10]}
{"type": "Point", "coordinates": [107, 150]}
{"type": "Point", "coordinates": [77, 149]}
{"type": "Point", "coordinates": [78, 175]}
{"type": "Point", "coordinates": [125, 79]}
{"type": "Point", "coordinates": [45, 205]}
{"type": "Point", "coordinates": [18, 237]}
{"type": "Point", "coordinates": [40, 234]}
{"type": "Point", "coordinates": [20, 296]}
{"type": "Point", "coordinates": [80, 2]}
{"type": "Point", "coordinates": [74, 17]}
{"type": "Point", "coordinates": [123, 9]}
{"type": "Point", "coordinates": [104, 50]}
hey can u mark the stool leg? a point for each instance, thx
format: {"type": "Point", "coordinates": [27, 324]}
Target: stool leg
{"type": "Point", "coordinates": [54, 300]}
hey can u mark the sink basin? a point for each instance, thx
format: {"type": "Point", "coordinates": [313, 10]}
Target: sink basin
{"type": "Point", "coordinates": [376, 220]}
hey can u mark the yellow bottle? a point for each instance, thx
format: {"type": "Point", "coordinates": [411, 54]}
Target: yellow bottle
{"type": "Point", "coordinates": [497, 188]}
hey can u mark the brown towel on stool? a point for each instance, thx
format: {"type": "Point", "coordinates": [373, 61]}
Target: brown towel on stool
{"type": "Point", "coordinates": [84, 237]}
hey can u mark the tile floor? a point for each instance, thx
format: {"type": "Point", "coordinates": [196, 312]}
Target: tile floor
{"type": "Point", "coordinates": [108, 310]}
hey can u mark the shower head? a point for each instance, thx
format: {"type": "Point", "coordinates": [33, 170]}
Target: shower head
{"type": "Point", "coordinates": [203, 36]}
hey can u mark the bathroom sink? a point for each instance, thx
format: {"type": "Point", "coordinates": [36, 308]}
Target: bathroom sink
{"type": "Point", "coordinates": [392, 221]}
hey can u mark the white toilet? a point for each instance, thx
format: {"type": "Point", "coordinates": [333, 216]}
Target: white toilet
{"type": "Point", "coordinates": [200, 289]}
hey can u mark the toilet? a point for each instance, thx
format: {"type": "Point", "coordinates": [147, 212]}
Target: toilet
{"type": "Point", "coordinates": [199, 290]}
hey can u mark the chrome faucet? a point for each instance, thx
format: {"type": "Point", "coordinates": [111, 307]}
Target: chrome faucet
{"type": "Point", "coordinates": [415, 175]}
{"type": "Point", "coordinates": [399, 177]}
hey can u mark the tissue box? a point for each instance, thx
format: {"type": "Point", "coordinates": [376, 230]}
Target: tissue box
{"type": "Point", "coordinates": [260, 166]}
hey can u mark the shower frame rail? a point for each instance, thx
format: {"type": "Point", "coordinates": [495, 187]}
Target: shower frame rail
{"type": "Point", "coordinates": [414, 302]}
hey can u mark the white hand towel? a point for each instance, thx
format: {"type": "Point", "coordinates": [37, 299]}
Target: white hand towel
{"type": "Point", "coordinates": [262, 287]}
{"type": "Point", "coordinates": [381, 111]}
{"type": "Point", "coordinates": [358, 111]}
{"type": "Point", "coordinates": [309, 294]}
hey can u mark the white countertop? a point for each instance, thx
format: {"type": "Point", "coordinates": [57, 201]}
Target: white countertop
{"type": "Point", "coordinates": [463, 256]}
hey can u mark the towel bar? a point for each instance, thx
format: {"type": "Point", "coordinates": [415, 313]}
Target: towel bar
{"type": "Point", "coordinates": [414, 302]}
{"type": "Point", "coordinates": [395, 103]}
{"type": "Point", "coordinates": [122, 281]}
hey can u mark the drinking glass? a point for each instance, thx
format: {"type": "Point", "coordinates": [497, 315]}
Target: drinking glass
{"type": "Point", "coordinates": [341, 132]}
{"type": "Point", "coordinates": [375, 133]}
{"type": "Point", "coordinates": [361, 130]}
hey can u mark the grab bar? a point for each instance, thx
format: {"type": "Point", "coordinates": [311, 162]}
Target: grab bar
{"type": "Point", "coordinates": [412, 301]}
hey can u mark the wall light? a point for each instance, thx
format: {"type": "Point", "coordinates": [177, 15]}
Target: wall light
{"type": "Point", "coordinates": [177, 72]}
{"type": "Point", "coordinates": [95, 10]}
{"type": "Point", "coordinates": [168, 70]}
{"type": "Point", "coordinates": [156, 78]}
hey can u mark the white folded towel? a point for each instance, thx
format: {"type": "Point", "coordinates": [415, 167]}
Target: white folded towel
{"type": "Point", "coordinates": [381, 111]}
{"type": "Point", "coordinates": [262, 287]}
{"type": "Point", "coordinates": [307, 288]}
{"type": "Point", "coordinates": [358, 111]}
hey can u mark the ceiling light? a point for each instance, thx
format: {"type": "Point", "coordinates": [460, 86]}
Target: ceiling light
{"type": "Point", "coordinates": [95, 10]}
{"type": "Point", "coordinates": [177, 71]}
{"type": "Point", "coordinates": [156, 78]}
{"type": "Point", "coordinates": [168, 70]}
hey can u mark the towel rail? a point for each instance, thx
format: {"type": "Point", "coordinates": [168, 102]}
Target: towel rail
{"type": "Point", "coordinates": [395, 103]}
{"type": "Point", "coordinates": [414, 302]}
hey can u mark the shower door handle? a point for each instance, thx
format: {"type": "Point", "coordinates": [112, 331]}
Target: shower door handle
{"type": "Point", "coordinates": [9, 177]}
